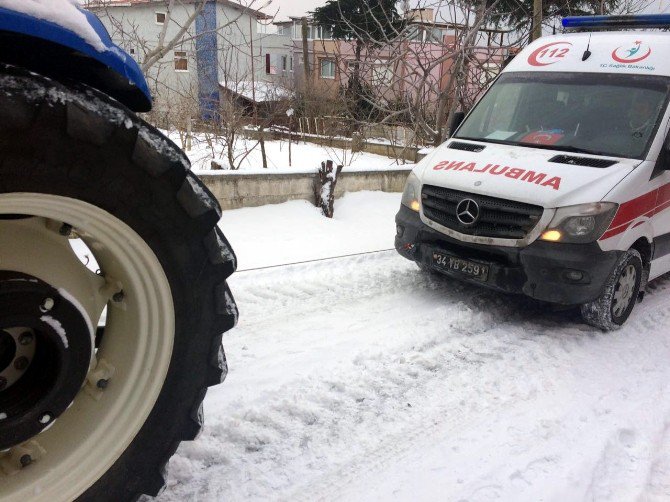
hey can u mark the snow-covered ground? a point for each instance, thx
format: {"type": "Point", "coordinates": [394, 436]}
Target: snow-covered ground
{"type": "Point", "coordinates": [306, 157]}
{"type": "Point", "coordinates": [361, 378]}
{"type": "Point", "coordinates": [296, 231]}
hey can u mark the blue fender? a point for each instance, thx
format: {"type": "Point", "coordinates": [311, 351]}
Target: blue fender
{"type": "Point", "coordinates": [111, 70]}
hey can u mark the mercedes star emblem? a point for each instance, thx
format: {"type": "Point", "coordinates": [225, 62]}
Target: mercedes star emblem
{"type": "Point", "coordinates": [467, 212]}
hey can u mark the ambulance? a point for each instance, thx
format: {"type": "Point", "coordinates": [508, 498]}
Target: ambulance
{"type": "Point", "coordinates": [556, 185]}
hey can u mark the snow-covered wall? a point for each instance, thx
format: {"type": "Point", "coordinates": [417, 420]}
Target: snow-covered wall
{"type": "Point", "coordinates": [234, 190]}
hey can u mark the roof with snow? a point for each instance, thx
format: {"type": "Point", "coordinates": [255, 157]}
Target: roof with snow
{"type": "Point", "coordinates": [258, 92]}
{"type": "Point", "coordinates": [92, 4]}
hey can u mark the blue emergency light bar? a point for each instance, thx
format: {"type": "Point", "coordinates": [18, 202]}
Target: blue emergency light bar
{"type": "Point", "coordinates": [639, 21]}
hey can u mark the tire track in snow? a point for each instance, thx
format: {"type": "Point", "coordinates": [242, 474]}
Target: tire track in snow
{"type": "Point", "coordinates": [266, 297]}
{"type": "Point", "coordinates": [621, 449]}
{"type": "Point", "coordinates": [268, 445]}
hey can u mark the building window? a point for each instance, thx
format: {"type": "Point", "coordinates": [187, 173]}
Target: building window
{"type": "Point", "coordinates": [297, 31]}
{"type": "Point", "coordinates": [290, 63]}
{"type": "Point", "coordinates": [324, 33]}
{"type": "Point", "coordinates": [284, 63]}
{"type": "Point", "coordinates": [180, 61]}
{"type": "Point", "coordinates": [382, 73]}
{"type": "Point", "coordinates": [283, 30]}
{"type": "Point", "coordinates": [416, 34]}
{"type": "Point", "coordinates": [160, 17]}
{"type": "Point", "coordinates": [268, 65]}
{"type": "Point", "coordinates": [327, 68]}
{"type": "Point", "coordinates": [488, 73]}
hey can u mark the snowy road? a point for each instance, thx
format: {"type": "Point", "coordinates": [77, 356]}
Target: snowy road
{"type": "Point", "coordinates": [364, 379]}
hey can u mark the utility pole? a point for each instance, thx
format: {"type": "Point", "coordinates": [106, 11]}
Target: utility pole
{"type": "Point", "coordinates": [602, 7]}
{"type": "Point", "coordinates": [305, 56]}
{"type": "Point", "coordinates": [537, 19]}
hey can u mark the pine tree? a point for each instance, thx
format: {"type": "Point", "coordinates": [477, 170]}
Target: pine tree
{"type": "Point", "coordinates": [368, 24]}
{"type": "Point", "coordinates": [519, 13]}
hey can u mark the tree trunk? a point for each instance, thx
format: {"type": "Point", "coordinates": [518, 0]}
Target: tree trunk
{"type": "Point", "coordinates": [189, 133]}
{"type": "Point", "coordinates": [231, 151]}
{"type": "Point", "coordinates": [261, 141]}
{"type": "Point", "coordinates": [537, 19]}
{"type": "Point", "coordinates": [357, 67]}
{"type": "Point", "coordinates": [459, 75]}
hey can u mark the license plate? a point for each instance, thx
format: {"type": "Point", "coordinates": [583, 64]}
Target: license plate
{"type": "Point", "coordinates": [468, 268]}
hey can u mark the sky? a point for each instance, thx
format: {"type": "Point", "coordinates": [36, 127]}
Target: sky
{"type": "Point", "coordinates": [297, 8]}
{"type": "Point", "coordinates": [659, 6]}
{"type": "Point", "coordinates": [293, 8]}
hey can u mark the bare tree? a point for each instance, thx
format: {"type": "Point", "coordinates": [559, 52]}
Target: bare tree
{"type": "Point", "coordinates": [418, 74]}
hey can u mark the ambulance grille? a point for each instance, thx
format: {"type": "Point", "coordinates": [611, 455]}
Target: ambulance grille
{"type": "Point", "coordinates": [499, 218]}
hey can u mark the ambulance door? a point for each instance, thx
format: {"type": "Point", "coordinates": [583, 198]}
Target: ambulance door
{"type": "Point", "coordinates": [661, 218]}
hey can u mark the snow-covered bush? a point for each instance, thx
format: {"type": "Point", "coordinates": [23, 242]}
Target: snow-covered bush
{"type": "Point", "coordinates": [324, 187]}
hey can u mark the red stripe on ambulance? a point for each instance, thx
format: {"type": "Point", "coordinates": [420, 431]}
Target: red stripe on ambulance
{"type": "Point", "coordinates": [648, 205]}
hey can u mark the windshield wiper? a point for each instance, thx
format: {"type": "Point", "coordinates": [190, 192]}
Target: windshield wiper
{"type": "Point", "coordinates": [565, 148]}
{"type": "Point", "coordinates": [486, 140]}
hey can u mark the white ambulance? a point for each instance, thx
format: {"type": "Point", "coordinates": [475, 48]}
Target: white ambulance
{"type": "Point", "coordinates": [556, 184]}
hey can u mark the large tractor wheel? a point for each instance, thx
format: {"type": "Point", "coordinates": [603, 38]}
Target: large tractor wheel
{"type": "Point", "coordinates": [103, 368]}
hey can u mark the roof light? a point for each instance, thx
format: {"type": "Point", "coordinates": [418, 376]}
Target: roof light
{"type": "Point", "coordinates": [640, 21]}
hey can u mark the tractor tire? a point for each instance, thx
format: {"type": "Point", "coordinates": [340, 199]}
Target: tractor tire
{"type": "Point", "coordinates": [72, 155]}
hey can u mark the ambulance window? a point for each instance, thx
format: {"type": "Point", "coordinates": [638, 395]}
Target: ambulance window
{"type": "Point", "coordinates": [501, 112]}
{"type": "Point", "coordinates": [602, 114]}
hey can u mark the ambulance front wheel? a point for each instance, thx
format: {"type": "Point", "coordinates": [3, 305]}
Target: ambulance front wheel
{"type": "Point", "coordinates": [613, 307]}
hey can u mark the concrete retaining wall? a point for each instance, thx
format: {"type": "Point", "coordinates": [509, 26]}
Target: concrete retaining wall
{"type": "Point", "coordinates": [248, 190]}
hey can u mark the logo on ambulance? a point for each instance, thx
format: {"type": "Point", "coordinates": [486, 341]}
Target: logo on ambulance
{"type": "Point", "coordinates": [549, 54]}
{"type": "Point", "coordinates": [634, 54]}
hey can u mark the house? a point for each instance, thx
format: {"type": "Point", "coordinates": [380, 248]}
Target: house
{"type": "Point", "coordinates": [223, 43]}
{"type": "Point", "coordinates": [417, 61]}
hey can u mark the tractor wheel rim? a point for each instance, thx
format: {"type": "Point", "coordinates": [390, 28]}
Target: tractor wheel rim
{"type": "Point", "coordinates": [92, 434]}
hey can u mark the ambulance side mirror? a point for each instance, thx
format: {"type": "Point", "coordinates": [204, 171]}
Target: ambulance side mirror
{"type": "Point", "coordinates": [456, 120]}
{"type": "Point", "coordinates": [665, 156]}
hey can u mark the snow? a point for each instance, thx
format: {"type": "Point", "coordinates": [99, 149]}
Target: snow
{"type": "Point", "coordinates": [261, 91]}
{"type": "Point", "coordinates": [296, 231]}
{"type": "Point", "coordinates": [306, 157]}
{"type": "Point", "coordinates": [159, 144]}
{"type": "Point", "coordinates": [61, 12]}
{"type": "Point", "coordinates": [361, 378]}
{"type": "Point", "coordinates": [57, 327]}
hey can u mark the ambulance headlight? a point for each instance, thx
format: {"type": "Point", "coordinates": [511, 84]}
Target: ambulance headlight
{"type": "Point", "coordinates": [411, 195]}
{"type": "Point", "coordinates": [580, 224]}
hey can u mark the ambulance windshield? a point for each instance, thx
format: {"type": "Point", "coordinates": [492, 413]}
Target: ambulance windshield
{"type": "Point", "coordinates": [594, 113]}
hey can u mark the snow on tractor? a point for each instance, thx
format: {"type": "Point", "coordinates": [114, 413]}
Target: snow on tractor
{"type": "Point", "coordinates": [103, 368]}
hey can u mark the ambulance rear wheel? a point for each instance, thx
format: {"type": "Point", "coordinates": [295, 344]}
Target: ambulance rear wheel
{"type": "Point", "coordinates": [613, 307]}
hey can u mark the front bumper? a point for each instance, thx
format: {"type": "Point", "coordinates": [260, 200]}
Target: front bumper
{"type": "Point", "coordinates": [540, 270]}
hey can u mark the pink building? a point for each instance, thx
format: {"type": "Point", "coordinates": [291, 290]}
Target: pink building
{"type": "Point", "coordinates": [416, 64]}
